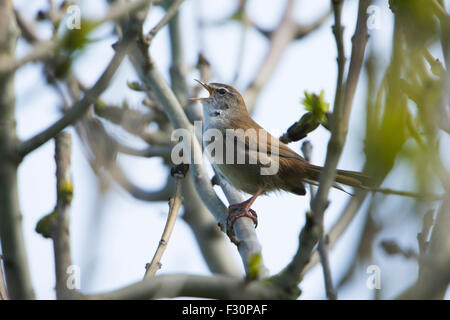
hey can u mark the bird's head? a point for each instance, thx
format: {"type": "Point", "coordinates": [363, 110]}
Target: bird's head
{"type": "Point", "coordinates": [223, 100]}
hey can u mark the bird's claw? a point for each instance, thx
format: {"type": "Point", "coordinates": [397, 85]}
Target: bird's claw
{"type": "Point", "coordinates": [235, 211]}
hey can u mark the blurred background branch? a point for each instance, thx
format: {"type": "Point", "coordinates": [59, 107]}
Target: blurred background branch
{"type": "Point", "coordinates": [14, 254]}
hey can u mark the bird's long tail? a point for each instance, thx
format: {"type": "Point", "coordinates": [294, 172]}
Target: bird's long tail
{"type": "Point", "coordinates": [345, 177]}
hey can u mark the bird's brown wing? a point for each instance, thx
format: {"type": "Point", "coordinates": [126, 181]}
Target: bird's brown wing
{"type": "Point", "coordinates": [293, 167]}
{"type": "Point", "coordinates": [275, 146]}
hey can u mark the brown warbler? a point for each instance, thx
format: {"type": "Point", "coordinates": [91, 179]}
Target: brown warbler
{"type": "Point", "coordinates": [225, 113]}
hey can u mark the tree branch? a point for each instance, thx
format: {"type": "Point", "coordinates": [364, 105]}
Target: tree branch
{"type": "Point", "coordinates": [60, 234]}
{"type": "Point", "coordinates": [434, 277]}
{"type": "Point", "coordinates": [151, 77]}
{"type": "Point", "coordinates": [174, 208]}
{"type": "Point", "coordinates": [214, 246]}
{"type": "Point", "coordinates": [247, 242]}
{"type": "Point", "coordinates": [42, 50]}
{"type": "Point", "coordinates": [180, 285]}
{"type": "Point", "coordinates": [154, 81]}
{"type": "Point", "coordinates": [11, 234]}
{"type": "Point", "coordinates": [3, 291]}
{"type": "Point", "coordinates": [149, 152]}
{"type": "Point", "coordinates": [171, 11]}
{"type": "Point", "coordinates": [341, 113]}
{"type": "Point", "coordinates": [338, 31]}
{"type": "Point", "coordinates": [324, 259]}
{"type": "Point", "coordinates": [313, 230]}
{"type": "Point", "coordinates": [212, 243]}
{"type": "Point", "coordinates": [324, 241]}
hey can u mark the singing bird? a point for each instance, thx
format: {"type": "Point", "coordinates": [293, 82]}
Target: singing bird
{"type": "Point", "coordinates": [224, 111]}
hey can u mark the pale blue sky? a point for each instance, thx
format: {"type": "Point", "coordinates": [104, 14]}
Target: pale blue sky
{"type": "Point", "coordinates": [114, 236]}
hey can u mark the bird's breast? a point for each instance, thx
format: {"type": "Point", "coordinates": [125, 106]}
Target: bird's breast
{"type": "Point", "coordinates": [232, 158]}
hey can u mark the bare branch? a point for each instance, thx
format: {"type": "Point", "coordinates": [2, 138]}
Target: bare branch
{"type": "Point", "coordinates": [323, 242]}
{"type": "Point", "coordinates": [11, 234]}
{"type": "Point", "coordinates": [338, 31]}
{"type": "Point", "coordinates": [60, 234]}
{"type": "Point", "coordinates": [247, 242]}
{"type": "Point", "coordinates": [180, 285]}
{"type": "Point", "coordinates": [410, 194]}
{"type": "Point", "coordinates": [149, 152]}
{"type": "Point", "coordinates": [171, 11]}
{"type": "Point", "coordinates": [174, 208]}
{"type": "Point", "coordinates": [42, 50]}
{"type": "Point", "coordinates": [341, 225]}
{"type": "Point", "coordinates": [26, 29]}
{"type": "Point", "coordinates": [434, 277]}
{"type": "Point", "coordinates": [324, 259]}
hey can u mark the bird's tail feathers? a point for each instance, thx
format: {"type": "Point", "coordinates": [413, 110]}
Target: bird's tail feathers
{"type": "Point", "coordinates": [345, 177]}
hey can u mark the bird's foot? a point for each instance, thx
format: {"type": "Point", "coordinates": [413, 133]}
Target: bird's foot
{"type": "Point", "coordinates": [238, 210]}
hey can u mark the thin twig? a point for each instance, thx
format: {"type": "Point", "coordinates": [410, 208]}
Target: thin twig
{"type": "Point", "coordinates": [434, 277]}
{"type": "Point", "coordinates": [338, 31]}
{"type": "Point", "coordinates": [174, 208]}
{"type": "Point", "coordinates": [177, 68]}
{"type": "Point", "coordinates": [245, 24]}
{"type": "Point", "coordinates": [60, 234]}
{"type": "Point", "coordinates": [340, 226]}
{"type": "Point", "coordinates": [149, 152]}
{"type": "Point", "coordinates": [171, 11]}
{"type": "Point", "coordinates": [323, 242]}
{"type": "Point", "coordinates": [410, 194]}
{"type": "Point", "coordinates": [27, 30]}
{"type": "Point", "coordinates": [324, 259]}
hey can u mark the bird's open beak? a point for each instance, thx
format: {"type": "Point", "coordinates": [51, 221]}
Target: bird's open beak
{"type": "Point", "coordinates": [204, 85]}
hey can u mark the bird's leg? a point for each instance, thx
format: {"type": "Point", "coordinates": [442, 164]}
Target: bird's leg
{"type": "Point", "coordinates": [242, 209]}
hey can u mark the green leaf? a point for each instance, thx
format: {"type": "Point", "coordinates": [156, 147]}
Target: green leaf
{"type": "Point", "coordinates": [316, 105]}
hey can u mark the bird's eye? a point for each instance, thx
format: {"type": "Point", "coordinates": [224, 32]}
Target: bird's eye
{"type": "Point", "coordinates": [222, 91]}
